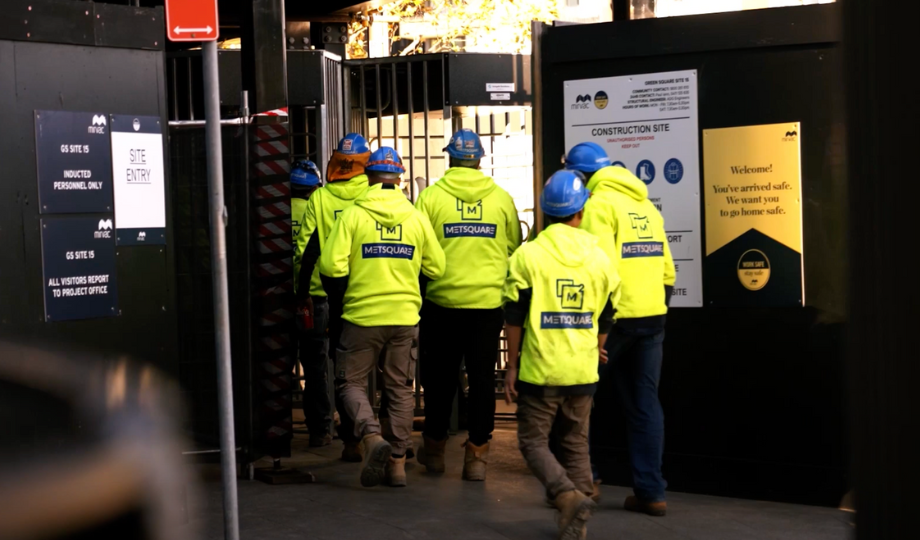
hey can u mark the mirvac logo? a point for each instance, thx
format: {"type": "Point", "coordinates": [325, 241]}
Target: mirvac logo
{"type": "Point", "coordinates": [104, 229]}
{"type": "Point", "coordinates": [98, 125]}
{"type": "Point", "coordinates": [581, 102]}
{"type": "Point", "coordinates": [571, 296]}
{"type": "Point", "coordinates": [470, 212]}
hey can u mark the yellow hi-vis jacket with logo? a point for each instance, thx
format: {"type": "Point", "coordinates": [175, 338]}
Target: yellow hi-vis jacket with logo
{"type": "Point", "coordinates": [631, 231]}
{"type": "Point", "coordinates": [477, 225]}
{"type": "Point", "coordinates": [298, 209]}
{"type": "Point", "coordinates": [381, 243]}
{"type": "Point", "coordinates": [323, 208]}
{"type": "Point", "coordinates": [569, 280]}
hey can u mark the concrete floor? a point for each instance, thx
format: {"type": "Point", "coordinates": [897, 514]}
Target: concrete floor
{"type": "Point", "coordinates": [509, 505]}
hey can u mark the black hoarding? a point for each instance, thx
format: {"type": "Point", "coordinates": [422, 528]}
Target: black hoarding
{"type": "Point", "coordinates": [74, 162]}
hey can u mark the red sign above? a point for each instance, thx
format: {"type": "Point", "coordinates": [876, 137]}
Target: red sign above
{"type": "Point", "coordinates": [191, 20]}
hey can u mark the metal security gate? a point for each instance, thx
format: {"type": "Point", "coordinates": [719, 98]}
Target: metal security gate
{"type": "Point", "coordinates": [414, 104]}
{"type": "Point", "coordinates": [316, 108]}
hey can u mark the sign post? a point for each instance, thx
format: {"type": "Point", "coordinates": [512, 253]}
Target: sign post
{"type": "Point", "coordinates": [196, 20]}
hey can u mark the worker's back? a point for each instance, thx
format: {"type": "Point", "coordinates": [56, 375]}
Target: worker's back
{"type": "Point", "coordinates": [476, 224]}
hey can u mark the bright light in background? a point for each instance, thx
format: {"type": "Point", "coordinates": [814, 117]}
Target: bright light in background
{"type": "Point", "coordinates": [674, 8]}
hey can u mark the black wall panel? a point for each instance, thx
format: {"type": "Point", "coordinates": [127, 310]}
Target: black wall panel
{"type": "Point", "coordinates": [47, 76]}
{"type": "Point", "coordinates": [753, 398]}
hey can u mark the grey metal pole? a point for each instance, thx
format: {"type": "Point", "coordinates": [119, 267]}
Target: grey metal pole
{"type": "Point", "coordinates": [218, 219]}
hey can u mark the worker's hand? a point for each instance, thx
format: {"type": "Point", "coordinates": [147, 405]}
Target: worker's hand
{"type": "Point", "coordinates": [307, 304]}
{"type": "Point", "coordinates": [510, 379]}
{"type": "Point", "coordinates": [602, 355]}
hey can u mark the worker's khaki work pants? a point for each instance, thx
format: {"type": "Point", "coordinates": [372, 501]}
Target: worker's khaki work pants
{"type": "Point", "coordinates": [567, 417]}
{"type": "Point", "coordinates": [357, 356]}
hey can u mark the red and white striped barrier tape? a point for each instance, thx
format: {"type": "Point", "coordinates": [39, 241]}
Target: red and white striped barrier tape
{"type": "Point", "coordinates": [274, 268]}
{"type": "Point", "coordinates": [274, 246]}
{"type": "Point", "coordinates": [271, 191]}
{"type": "Point", "coordinates": [278, 209]}
{"type": "Point", "coordinates": [274, 228]}
{"type": "Point", "coordinates": [283, 111]}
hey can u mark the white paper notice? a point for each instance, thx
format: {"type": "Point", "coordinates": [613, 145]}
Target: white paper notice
{"type": "Point", "coordinates": [139, 180]}
{"type": "Point", "coordinates": [648, 124]}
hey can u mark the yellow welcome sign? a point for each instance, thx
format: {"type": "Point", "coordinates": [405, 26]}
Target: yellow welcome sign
{"type": "Point", "coordinates": [752, 191]}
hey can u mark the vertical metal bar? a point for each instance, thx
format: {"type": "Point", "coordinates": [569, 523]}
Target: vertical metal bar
{"type": "Point", "coordinates": [537, 29]}
{"type": "Point", "coordinates": [363, 99]}
{"type": "Point", "coordinates": [476, 114]}
{"type": "Point", "coordinates": [175, 90]}
{"type": "Point", "coordinates": [411, 132]}
{"type": "Point", "coordinates": [379, 107]}
{"type": "Point", "coordinates": [217, 214]}
{"type": "Point", "coordinates": [306, 134]}
{"type": "Point", "coordinates": [425, 122]}
{"type": "Point", "coordinates": [346, 98]}
{"type": "Point", "coordinates": [191, 88]}
{"type": "Point", "coordinates": [395, 101]}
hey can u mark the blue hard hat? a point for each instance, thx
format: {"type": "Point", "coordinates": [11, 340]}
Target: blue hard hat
{"type": "Point", "coordinates": [564, 194]}
{"type": "Point", "coordinates": [385, 160]}
{"type": "Point", "coordinates": [305, 173]}
{"type": "Point", "coordinates": [465, 144]}
{"type": "Point", "coordinates": [587, 157]}
{"type": "Point", "coordinates": [352, 144]}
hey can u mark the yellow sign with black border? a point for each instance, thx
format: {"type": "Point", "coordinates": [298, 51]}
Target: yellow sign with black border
{"type": "Point", "coordinates": [753, 211]}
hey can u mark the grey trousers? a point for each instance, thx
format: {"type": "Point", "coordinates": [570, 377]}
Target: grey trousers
{"type": "Point", "coordinates": [536, 417]}
{"type": "Point", "coordinates": [356, 358]}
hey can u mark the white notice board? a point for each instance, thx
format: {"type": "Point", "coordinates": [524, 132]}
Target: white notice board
{"type": "Point", "coordinates": [648, 124]}
{"type": "Point", "coordinates": [138, 178]}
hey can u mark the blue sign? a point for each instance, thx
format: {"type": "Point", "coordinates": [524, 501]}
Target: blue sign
{"type": "Point", "coordinates": [78, 267]}
{"type": "Point", "coordinates": [673, 171]}
{"type": "Point", "coordinates": [645, 171]}
{"type": "Point", "coordinates": [618, 164]}
{"type": "Point", "coordinates": [74, 162]}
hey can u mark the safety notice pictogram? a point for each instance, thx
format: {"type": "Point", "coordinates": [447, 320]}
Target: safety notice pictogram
{"type": "Point", "coordinates": [191, 20]}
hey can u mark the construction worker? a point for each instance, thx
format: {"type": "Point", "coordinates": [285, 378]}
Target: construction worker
{"type": "Point", "coordinates": [561, 294]}
{"type": "Point", "coordinates": [477, 225]}
{"type": "Point", "coordinates": [631, 231]}
{"type": "Point", "coordinates": [345, 182]}
{"type": "Point", "coordinates": [317, 410]}
{"type": "Point", "coordinates": [372, 262]}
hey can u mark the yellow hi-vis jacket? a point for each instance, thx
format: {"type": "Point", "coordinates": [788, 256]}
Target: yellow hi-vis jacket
{"type": "Point", "coordinates": [569, 281]}
{"type": "Point", "coordinates": [381, 243]}
{"type": "Point", "coordinates": [631, 232]}
{"type": "Point", "coordinates": [477, 225]}
{"type": "Point", "coordinates": [298, 209]}
{"type": "Point", "coordinates": [322, 210]}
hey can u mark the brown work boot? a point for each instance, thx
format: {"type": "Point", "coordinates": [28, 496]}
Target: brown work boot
{"type": "Point", "coordinates": [633, 504]}
{"type": "Point", "coordinates": [352, 452]}
{"type": "Point", "coordinates": [596, 495]}
{"type": "Point", "coordinates": [317, 441]}
{"type": "Point", "coordinates": [376, 454]}
{"type": "Point", "coordinates": [396, 471]}
{"type": "Point", "coordinates": [575, 509]}
{"type": "Point", "coordinates": [474, 463]}
{"type": "Point", "coordinates": [431, 455]}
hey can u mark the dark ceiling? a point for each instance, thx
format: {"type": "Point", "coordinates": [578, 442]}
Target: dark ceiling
{"type": "Point", "coordinates": [295, 10]}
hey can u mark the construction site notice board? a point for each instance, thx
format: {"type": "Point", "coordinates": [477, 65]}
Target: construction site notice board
{"type": "Point", "coordinates": [649, 125]}
{"type": "Point", "coordinates": [753, 196]}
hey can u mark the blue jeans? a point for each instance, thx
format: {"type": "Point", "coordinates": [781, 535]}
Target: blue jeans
{"type": "Point", "coordinates": [635, 364]}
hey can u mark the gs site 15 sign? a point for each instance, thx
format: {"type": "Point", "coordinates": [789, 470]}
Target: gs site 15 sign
{"type": "Point", "coordinates": [753, 215]}
{"type": "Point", "coordinates": [74, 162]}
{"type": "Point", "coordinates": [648, 124]}
{"type": "Point", "coordinates": [78, 267]}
